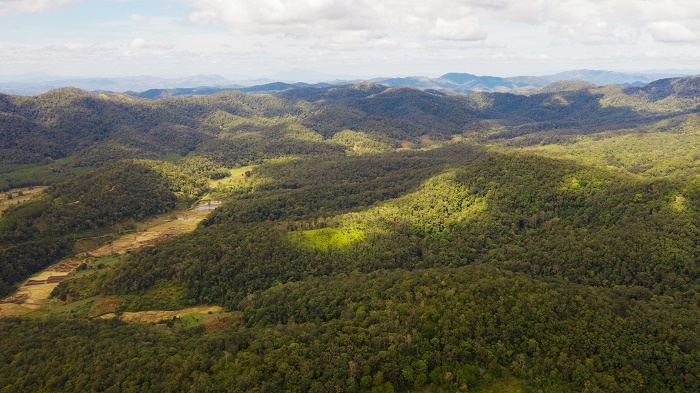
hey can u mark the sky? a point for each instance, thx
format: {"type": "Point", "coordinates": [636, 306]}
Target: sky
{"type": "Point", "coordinates": [244, 39]}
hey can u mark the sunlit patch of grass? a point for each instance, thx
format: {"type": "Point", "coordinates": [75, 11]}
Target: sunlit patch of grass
{"type": "Point", "coordinates": [321, 239]}
{"type": "Point", "coordinates": [78, 309]}
{"type": "Point", "coordinates": [239, 179]}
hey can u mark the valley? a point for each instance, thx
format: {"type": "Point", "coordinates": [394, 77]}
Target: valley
{"type": "Point", "coordinates": [35, 292]}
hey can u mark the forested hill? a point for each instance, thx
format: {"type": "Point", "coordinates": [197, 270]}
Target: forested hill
{"type": "Point", "coordinates": [378, 239]}
{"type": "Point", "coordinates": [74, 123]}
{"type": "Point", "coordinates": [446, 267]}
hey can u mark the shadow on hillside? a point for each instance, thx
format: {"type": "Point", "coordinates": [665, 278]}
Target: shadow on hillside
{"type": "Point", "coordinates": [575, 113]}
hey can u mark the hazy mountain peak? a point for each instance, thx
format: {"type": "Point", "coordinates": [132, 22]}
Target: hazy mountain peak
{"type": "Point", "coordinates": [459, 78]}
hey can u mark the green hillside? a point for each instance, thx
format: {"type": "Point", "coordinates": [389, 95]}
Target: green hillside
{"type": "Point", "coordinates": [386, 239]}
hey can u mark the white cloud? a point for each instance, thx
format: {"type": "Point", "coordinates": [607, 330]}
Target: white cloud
{"type": "Point", "coordinates": [667, 31]}
{"type": "Point", "coordinates": [355, 36]}
{"type": "Point", "coordinates": [400, 20]}
{"type": "Point", "coordinates": [597, 33]}
{"type": "Point", "coordinates": [138, 18]}
{"type": "Point", "coordinates": [604, 21]}
{"type": "Point", "coordinates": [138, 43]}
{"type": "Point", "coordinates": [274, 16]}
{"type": "Point", "coordinates": [73, 46]}
{"type": "Point", "coordinates": [599, 22]}
{"type": "Point", "coordinates": [466, 29]}
{"type": "Point", "coordinates": [141, 43]}
{"type": "Point", "coordinates": [660, 10]}
{"type": "Point", "coordinates": [12, 7]}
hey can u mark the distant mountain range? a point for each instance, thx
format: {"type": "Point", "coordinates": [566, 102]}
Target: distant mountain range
{"type": "Point", "coordinates": [273, 87]}
{"type": "Point", "coordinates": [155, 87]}
{"type": "Point", "coordinates": [468, 83]}
{"type": "Point", "coordinates": [117, 84]}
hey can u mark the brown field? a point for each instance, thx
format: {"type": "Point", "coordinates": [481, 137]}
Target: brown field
{"type": "Point", "coordinates": [162, 229]}
{"type": "Point", "coordinates": [28, 193]}
{"type": "Point", "coordinates": [157, 316]}
{"type": "Point", "coordinates": [35, 292]}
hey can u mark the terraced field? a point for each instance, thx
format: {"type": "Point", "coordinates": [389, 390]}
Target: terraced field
{"type": "Point", "coordinates": [35, 292]}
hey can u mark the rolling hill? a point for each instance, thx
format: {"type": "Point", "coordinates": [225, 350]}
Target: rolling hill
{"type": "Point", "coordinates": [376, 238]}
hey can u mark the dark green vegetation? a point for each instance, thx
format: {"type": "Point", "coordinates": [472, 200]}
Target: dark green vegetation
{"type": "Point", "coordinates": [99, 204]}
{"type": "Point", "coordinates": [51, 136]}
{"type": "Point", "coordinates": [38, 233]}
{"type": "Point", "coordinates": [458, 267]}
{"type": "Point", "coordinates": [448, 328]}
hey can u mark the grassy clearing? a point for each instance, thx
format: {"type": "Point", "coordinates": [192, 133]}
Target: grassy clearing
{"type": "Point", "coordinates": [321, 239]}
{"type": "Point", "coordinates": [511, 385]}
{"type": "Point", "coordinates": [93, 264]}
{"type": "Point", "coordinates": [359, 143]}
{"type": "Point", "coordinates": [164, 296]}
{"type": "Point", "coordinates": [184, 318]}
{"type": "Point", "coordinates": [240, 179]}
{"type": "Point", "coordinates": [78, 309]}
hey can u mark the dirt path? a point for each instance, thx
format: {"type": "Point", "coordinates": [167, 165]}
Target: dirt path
{"type": "Point", "coordinates": [35, 292]}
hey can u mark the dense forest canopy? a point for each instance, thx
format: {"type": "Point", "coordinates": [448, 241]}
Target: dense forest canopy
{"type": "Point", "coordinates": [376, 239]}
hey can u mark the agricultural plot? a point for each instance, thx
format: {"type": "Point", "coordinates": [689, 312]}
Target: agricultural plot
{"type": "Point", "coordinates": [35, 292]}
{"type": "Point", "coordinates": [160, 229]}
{"type": "Point", "coordinates": [17, 196]}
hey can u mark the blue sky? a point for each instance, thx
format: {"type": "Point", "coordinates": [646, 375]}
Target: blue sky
{"type": "Point", "coordinates": [364, 38]}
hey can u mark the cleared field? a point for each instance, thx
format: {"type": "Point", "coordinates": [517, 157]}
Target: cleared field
{"type": "Point", "coordinates": [156, 316]}
{"type": "Point", "coordinates": [240, 179]}
{"type": "Point", "coordinates": [35, 292]}
{"type": "Point", "coordinates": [18, 195]}
{"type": "Point", "coordinates": [160, 229]}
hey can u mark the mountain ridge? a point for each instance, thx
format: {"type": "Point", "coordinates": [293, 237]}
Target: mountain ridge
{"type": "Point", "coordinates": [453, 81]}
